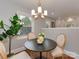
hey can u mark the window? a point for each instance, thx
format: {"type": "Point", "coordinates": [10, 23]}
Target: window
{"type": "Point", "coordinates": [27, 25]}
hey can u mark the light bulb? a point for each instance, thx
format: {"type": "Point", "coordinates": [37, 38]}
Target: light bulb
{"type": "Point", "coordinates": [45, 12]}
{"type": "Point", "coordinates": [35, 16]}
{"type": "Point", "coordinates": [39, 9]}
{"type": "Point", "coordinates": [33, 12]}
{"type": "Point", "coordinates": [42, 16]}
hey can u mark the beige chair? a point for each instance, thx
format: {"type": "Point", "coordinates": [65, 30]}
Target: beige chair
{"type": "Point", "coordinates": [59, 50]}
{"type": "Point", "coordinates": [21, 55]}
{"type": "Point", "coordinates": [3, 55]}
{"type": "Point", "coordinates": [31, 35]}
{"type": "Point", "coordinates": [2, 46]}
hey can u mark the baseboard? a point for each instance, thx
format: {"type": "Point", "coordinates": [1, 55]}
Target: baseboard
{"type": "Point", "coordinates": [69, 53]}
{"type": "Point", "coordinates": [17, 50]}
{"type": "Point", "coordinates": [72, 54]}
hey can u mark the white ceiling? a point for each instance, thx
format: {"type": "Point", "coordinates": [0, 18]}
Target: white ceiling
{"type": "Point", "coordinates": [61, 8]}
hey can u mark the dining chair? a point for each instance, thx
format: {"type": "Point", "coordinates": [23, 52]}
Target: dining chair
{"type": "Point", "coordinates": [59, 50]}
{"type": "Point", "coordinates": [2, 51]}
{"type": "Point", "coordinates": [31, 35]}
{"type": "Point", "coordinates": [21, 55]}
{"type": "Point", "coordinates": [3, 55]}
{"type": "Point", "coordinates": [2, 46]}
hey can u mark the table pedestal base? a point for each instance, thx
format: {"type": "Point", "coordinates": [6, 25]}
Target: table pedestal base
{"type": "Point", "coordinates": [40, 58]}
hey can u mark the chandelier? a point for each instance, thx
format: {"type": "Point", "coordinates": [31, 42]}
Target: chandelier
{"type": "Point", "coordinates": [40, 12]}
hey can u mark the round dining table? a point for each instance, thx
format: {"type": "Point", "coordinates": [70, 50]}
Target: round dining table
{"type": "Point", "coordinates": [46, 46]}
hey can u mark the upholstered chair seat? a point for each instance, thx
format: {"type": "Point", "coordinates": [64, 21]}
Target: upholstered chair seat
{"type": "Point", "coordinates": [59, 50]}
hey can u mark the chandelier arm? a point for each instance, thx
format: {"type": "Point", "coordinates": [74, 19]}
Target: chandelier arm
{"type": "Point", "coordinates": [39, 2]}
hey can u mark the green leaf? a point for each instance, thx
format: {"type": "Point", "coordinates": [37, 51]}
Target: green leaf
{"type": "Point", "coordinates": [4, 35]}
{"type": "Point", "coordinates": [9, 32]}
{"type": "Point", "coordinates": [13, 29]}
{"type": "Point", "coordinates": [1, 24]}
{"type": "Point", "coordinates": [13, 22]}
{"type": "Point", "coordinates": [41, 34]}
{"type": "Point", "coordinates": [1, 37]}
{"type": "Point", "coordinates": [15, 17]}
{"type": "Point", "coordinates": [17, 28]}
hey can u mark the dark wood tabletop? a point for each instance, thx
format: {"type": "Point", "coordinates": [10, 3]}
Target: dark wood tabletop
{"type": "Point", "coordinates": [47, 45]}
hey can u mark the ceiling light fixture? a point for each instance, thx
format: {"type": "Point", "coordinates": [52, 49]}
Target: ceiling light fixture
{"type": "Point", "coordinates": [40, 13]}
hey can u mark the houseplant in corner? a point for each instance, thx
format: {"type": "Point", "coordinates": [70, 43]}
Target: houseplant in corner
{"type": "Point", "coordinates": [12, 29]}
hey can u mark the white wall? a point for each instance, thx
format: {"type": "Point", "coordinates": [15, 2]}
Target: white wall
{"type": "Point", "coordinates": [71, 33]}
{"type": "Point", "coordinates": [6, 10]}
{"type": "Point", "coordinates": [38, 24]}
{"type": "Point", "coordinates": [41, 23]}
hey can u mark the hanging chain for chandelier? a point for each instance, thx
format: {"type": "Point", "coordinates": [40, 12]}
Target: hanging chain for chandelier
{"type": "Point", "coordinates": [40, 13]}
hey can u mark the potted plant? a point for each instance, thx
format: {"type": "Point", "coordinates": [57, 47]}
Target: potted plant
{"type": "Point", "coordinates": [12, 30]}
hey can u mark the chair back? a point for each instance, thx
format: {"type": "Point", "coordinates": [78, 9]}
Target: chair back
{"type": "Point", "coordinates": [2, 46]}
{"type": "Point", "coordinates": [31, 35]}
{"type": "Point", "coordinates": [3, 54]}
{"type": "Point", "coordinates": [61, 40]}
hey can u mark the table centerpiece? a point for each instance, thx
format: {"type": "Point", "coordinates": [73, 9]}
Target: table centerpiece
{"type": "Point", "coordinates": [40, 38]}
